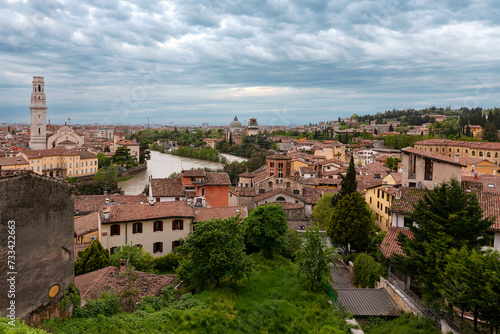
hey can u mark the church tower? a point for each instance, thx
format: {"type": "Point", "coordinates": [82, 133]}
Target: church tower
{"type": "Point", "coordinates": [38, 139]}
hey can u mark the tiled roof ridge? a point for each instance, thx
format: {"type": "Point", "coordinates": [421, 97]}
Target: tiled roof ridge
{"type": "Point", "coordinates": [97, 280]}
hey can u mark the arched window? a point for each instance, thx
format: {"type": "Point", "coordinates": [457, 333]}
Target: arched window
{"type": "Point", "coordinates": [488, 155]}
{"type": "Point", "coordinates": [473, 153]}
{"type": "Point", "coordinates": [280, 199]}
{"type": "Point", "coordinates": [481, 153]}
{"type": "Point", "coordinates": [288, 185]}
{"type": "Point", "coordinates": [270, 184]}
{"type": "Point", "coordinates": [496, 155]}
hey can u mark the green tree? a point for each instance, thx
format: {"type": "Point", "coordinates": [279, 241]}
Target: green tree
{"type": "Point", "coordinates": [91, 258]}
{"type": "Point", "coordinates": [102, 160]}
{"type": "Point", "coordinates": [135, 256]}
{"type": "Point", "coordinates": [215, 251]}
{"type": "Point", "coordinates": [349, 184]}
{"type": "Point", "coordinates": [294, 243]}
{"type": "Point", "coordinates": [122, 157]}
{"type": "Point", "coordinates": [391, 128]}
{"type": "Point", "coordinates": [392, 163]}
{"type": "Point", "coordinates": [367, 271]}
{"type": "Point", "coordinates": [351, 224]}
{"type": "Point", "coordinates": [265, 228]}
{"type": "Point", "coordinates": [314, 258]}
{"type": "Point", "coordinates": [323, 210]}
{"type": "Point", "coordinates": [446, 217]}
{"type": "Point", "coordinates": [144, 153]}
{"type": "Point", "coordinates": [470, 280]}
{"type": "Point", "coordinates": [490, 132]}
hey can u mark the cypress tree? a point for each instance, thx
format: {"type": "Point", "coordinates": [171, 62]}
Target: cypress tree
{"type": "Point", "coordinates": [348, 185]}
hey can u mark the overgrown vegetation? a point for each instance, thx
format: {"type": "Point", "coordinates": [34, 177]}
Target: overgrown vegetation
{"type": "Point", "coordinates": [201, 153]}
{"type": "Point", "coordinates": [407, 324]}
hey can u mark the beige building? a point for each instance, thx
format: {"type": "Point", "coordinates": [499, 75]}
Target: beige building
{"type": "Point", "coordinates": [450, 148]}
{"type": "Point", "coordinates": [13, 163]}
{"type": "Point", "coordinates": [424, 169]}
{"type": "Point", "coordinates": [131, 145]}
{"type": "Point", "coordinates": [65, 137]}
{"type": "Point", "coordinates": [157, 228]}
{"type": "Point", "coordinates": [60, 162]}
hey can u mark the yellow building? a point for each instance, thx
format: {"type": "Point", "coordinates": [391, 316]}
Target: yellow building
{"type": "Point", "coordinates": [480, 165]}
{"type": "Point", "coordinates": [13, 163]}
{"type": "Point", "coordinates": [454, 148]}
{"type": "Point", "coordinates": [379, 199]}
{"type": "Point", "coordinates": [61, 162]}
{"type": "Point", "coordinates": [87, 228]}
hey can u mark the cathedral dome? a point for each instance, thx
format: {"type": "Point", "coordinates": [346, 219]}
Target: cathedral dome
{"type": "Point", "coordinates": [235, 123]}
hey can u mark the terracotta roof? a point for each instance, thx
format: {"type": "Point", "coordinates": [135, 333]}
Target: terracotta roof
{"type": "Point", "coordinates": [91, 203]}
{"type": "Point", "coordinates": [390, 245]}
{"type": "Point", "coordinates": [320, 181]}
{"type": "Point", "coordinates": [470, 144]}
{"type": "Point", "coordinates": [278, 157]}
{"type": "Point", "coordinates": [490, 204]}
{"type": "Point", "coordinates": [108, 279]}
{"type": "Point", "coordinates": [167, 187]}
{"type": "Point", "coordinates": [13, 161]}
{"type": "Point", "coordinates": [374, 168]}
{"type": "Point", "coordinates": [367, 181]}
{"type": "Point", "coordinates": [277, 191]}
{"type": "Point", "coordinates": [126, 142]}
{"type": "Point", "coordinates": [136, 212]}
{"type": "Point", "coordinates": [262, 175]}
{"type": "Point", "coordinates": [217, 178]}
{"type": "Point", "coordinates": [490, 183]}
{"type": "Point", "coordinates": [66, 142]}
{"type": "Point", "coordinates": [433, 156]}
{"type": "Point", "coordinates": [470, 160]}
{"type": "Point", "coordinates": [247, 174]}
{"type": "Point", "coordinates": [409, 196]}
{"type": "Point", "coordinates": [31, 154]}
{"type": "Point", "coordinates": [87, 155]}
{"type": "Point", "coordinates": [306, 170]}
{"type": "Point", "coordinates": [245, 191]}
{"type": "Point", "coordinates": [202, 214]}
{"type": "Point", "coordinates": [312, 195]}
{"type": "Point", "coordinates": [193, 173]}
{"type": "Point", "coordinates": [86, 224]}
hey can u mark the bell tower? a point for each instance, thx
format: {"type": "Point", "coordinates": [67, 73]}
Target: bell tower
{"type": "Point", "coordinates": [38, 139]}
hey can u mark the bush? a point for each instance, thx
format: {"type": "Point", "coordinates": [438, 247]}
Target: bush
{"type": "Point", "coordinates": [167, 262]}
{"type": "Point", "coordinates": [294, 243]}
{"type": "Point", "coordinates": [138, 257]}
{"type": "Point", "coordinates": [107, 305]}
{"type": "Point", "coordinates": [367, 271]}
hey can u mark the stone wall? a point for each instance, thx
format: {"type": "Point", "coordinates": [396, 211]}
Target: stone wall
{"type": "Point", "coordinates": [405, 304]}
{"type": "Point", "coordinates": [42, 211]}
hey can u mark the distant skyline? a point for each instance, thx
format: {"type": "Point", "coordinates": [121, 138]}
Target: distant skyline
{"type": "Point", "coordinates": [280, 61]}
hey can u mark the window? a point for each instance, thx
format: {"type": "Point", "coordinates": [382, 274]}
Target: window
{"type": "Point", "coordinates": [413, 166]}
{"type": "Point", "coordinates": [280, 199]}
{"type": "Point", "coordinates": [280, 174]}
{"type": "Point", "coordinates": [271, 164]}
{"type": "Point", "coordinates": [473, 153]}
{"type": "Point", "coordinates": [370, 200]}
{"type": "Point", "coordinates": [158, 247]}
{"type": "Point", "coordinates": [296, 192]}
{"type": "Point", "coordinates": [488, 155]}
{"type": "Point", "coordinates": [115, 229]}
{"type": "Point", "coordinates": [175, 243]}
{"type": "Point", "coordinates": [288, 185]}
{"type": "Point", "coordinates": [112, 250]}
{"type": "Point", "coordinates": [158, 226]}
{"type": "Point", "coordinates": [481, 153]}
{"type": "Point", "coordinates": [280, 165]}
{"type": "Point", "coordinates": [137, 228]}
{"type": "Point", "coordinates": [270, 184]}
{"type": "Point", "coordinates": [177, 224]}
{"type": "Point", "coordinates": [407, 222]}
{"type": "Point", "coordinates": [428, 170]}
{"type": "Point", "coordinates": [262, 191]}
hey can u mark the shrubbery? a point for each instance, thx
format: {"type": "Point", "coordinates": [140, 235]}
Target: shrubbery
{"type": "Point", "coordinates": [167, 262]}
{"type": "Point", "coordinates": [367, 271]}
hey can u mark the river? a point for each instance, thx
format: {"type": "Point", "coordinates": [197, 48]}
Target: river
{"type": "Point", "coordinates": [162, 165]}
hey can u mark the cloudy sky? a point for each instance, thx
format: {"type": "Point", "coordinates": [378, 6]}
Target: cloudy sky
{"type": "Point", "coordinates": [280, 61]}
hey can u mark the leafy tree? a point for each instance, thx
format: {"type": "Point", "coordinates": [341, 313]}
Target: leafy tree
{"type": "Point", "coordinates": [144, 153]}
{"type": "Point", "coordinates": [103, 180]}
{"type": "Point", "coordinates": [234, 169]}
{"type": "Point", "coordinates": [122, 157]}
{"type": "Point", "coordinates": [128, 296]}
{"type": "Point", "coordinates": [490, 132]}
{"type": "Point", "coordinates": [314, 258]}
{"type": "Point", "coordinates": [367, 271]}
{"type": "Point", "coordinates": [391, 128]}
{"type": "Point", "coordinates": [351, 224]}
{"type": "Point", "coordinates": [294, 243]}
{"type": "Point", "coordinates": [91, 258]}
{"type": "Point", "coordinates": [323, 210]}
{"type": "Point", "coordinates": [392, 163]}
{"type": "Point", "coordinates": [135, 256]}
{"type": "Point", "coordinates": [265, 228]}
{"type": "Point", "coordinates": [471, 282]}
{"type": "Point", "coordinates": [215, 251]}
{"type": "Point", "coordinates": [446, 217]}
{"type": "Point", "coordinates": [348, 185]}
{"type": "Point", "coordinates": [103, 161]}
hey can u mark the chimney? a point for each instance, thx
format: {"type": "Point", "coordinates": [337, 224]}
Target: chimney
{"type": "Point", "coordinates": [123, 264]}
{"type": "Point", "coordinates": [457, 157]}
{"type": "Point", "coordinates": [475, 176]}
{"type": "Point", "coordinates": [105, 215]}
